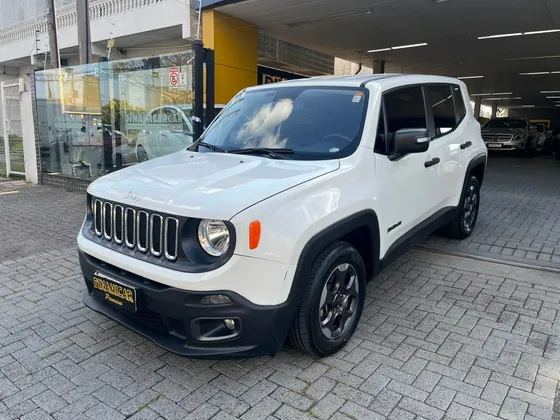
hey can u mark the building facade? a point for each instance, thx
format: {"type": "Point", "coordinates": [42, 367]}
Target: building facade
{"type": "Point", "coordinates": [134, 101]}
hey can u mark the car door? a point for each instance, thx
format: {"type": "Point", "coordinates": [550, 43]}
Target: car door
{"type": "Point", "coordinates": [450, 138]}
{"type": "Point", "coordinates": [409, 184]}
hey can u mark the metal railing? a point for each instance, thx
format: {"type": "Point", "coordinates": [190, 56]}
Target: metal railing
{"type": "Point", "coordinates": [67, 17]}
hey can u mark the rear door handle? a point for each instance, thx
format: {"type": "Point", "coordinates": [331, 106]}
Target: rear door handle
{"type": "Point", "coordinates": [465, 145]}
{"type": "Point", "coordinates": [432, 162]}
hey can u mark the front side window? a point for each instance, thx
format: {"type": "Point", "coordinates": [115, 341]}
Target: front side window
{"type": "Point", "coordinates": [440, 98]}
{"type": "Point", "coordinates": [404, 108]}
{"type": "Point", "coordinates": [313, 122]}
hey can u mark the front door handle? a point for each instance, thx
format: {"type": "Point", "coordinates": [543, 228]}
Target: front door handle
{"type": "Point", "coordinates": [432, 162]}
{"type": "Point", "coordinates": [465, 145]}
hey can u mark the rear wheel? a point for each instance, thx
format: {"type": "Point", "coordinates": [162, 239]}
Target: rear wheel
{"type": "Point", "coordinates": [332, 303]}
{"type": "Point", "coordinates": [464, 222]}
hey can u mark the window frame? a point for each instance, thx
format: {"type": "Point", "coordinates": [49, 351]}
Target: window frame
{"type": "Point", "coordinates": [383, 108]}
{"type": "Point", "coordinates": [433, 135]}
{"type": "Point", "coordinates": [458, 117]}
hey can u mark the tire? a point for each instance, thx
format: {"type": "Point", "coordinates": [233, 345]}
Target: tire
{"type": "Point", "coordinates": [141, 154]}
{"type": "Point", "coordinates": [460, 227]}
{"type": "Point", "coordinates": [307, 332]}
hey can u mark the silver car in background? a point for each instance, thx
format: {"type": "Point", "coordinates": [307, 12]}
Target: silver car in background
{"type": "Point", "coordinates": [510, 134]}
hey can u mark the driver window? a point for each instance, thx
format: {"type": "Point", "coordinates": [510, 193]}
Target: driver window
{"type": "Point", "coordinates": [404, 108]}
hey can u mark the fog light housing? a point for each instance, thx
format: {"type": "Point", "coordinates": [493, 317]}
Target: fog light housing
{"type": "Point", "coordinates": [230, 324]}
{"type": "Point", "coordinates": [215, 300]}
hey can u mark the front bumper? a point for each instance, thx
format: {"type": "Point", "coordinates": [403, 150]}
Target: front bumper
{"type": "Point", "coordinates": [176, 319]}
{"type": "Point", "coordinates": [512, 145]}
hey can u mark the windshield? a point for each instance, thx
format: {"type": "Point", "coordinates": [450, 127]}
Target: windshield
{"type": "Point", "coordinates": [506, 123]}
{"type": "Point", "coordinates": [314, 122]}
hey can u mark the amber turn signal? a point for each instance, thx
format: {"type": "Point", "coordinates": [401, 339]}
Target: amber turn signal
{"type": "Point", "coordinates": [254, 234]}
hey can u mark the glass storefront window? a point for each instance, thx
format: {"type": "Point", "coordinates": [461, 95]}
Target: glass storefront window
{"type": "Point", "coordinates": [97, 118]}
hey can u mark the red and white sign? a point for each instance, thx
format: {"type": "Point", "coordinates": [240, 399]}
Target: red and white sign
{"type": "Point", "coordinates": [174, 77]}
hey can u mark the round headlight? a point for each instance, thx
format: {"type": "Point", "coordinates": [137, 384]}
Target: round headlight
{"type": "Point", "coordinates": [213, 236]}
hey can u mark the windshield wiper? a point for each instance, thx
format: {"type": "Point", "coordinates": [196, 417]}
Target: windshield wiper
{"type": "Point", "coordinates": [273, 153]}
{"type": "Point", "coordinates": [211, 147]}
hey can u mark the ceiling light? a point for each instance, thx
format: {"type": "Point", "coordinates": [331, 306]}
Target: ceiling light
{"type": "Point", "coordinates": [400, 47]}
{"type": "Point", "coordinates": [509, 99]}
{"type": "Point", "coordinates": [526, 106]}
{"type": "Point", "coordinates": [503, 93]}
{"type": "Point", "coordinates": [470, 77]}
{"type": "Point", "coordinates": [491, 99]}
{"type": "Point", "coordinates": [543, 57]}
{"type": "Point", "coordinates": [500, 36]}
{"type": "Point", "coordinates": [481, 94]}
{"type": "Point", "coordinates": [535, 73]}
{"type": "Point", "coordinates": [320, 19]}
{"type": "Point", "coordinates": [555, 72]}
{"type": "Point", "coordinates": [553, 97]}
{"type": "Point", "coordinates": [379, 50]}
{"type": "Point", "coordinates": [550, 91]}
{"type": "Point", "coordinates": [548, 31]}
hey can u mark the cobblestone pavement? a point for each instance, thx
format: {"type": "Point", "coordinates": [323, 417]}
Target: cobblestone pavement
{"type": "Point", "coordinates": [440, 337]}
{"type": "Point", "coordinates": [37, 219]}
{"type": "Point", "coordinates": [519, 215]}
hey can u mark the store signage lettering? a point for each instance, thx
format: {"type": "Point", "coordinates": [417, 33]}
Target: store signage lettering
{"type": "Point", "coordinates": [269, 75]}
{"type": "Point", "coordinates": [155, 118]}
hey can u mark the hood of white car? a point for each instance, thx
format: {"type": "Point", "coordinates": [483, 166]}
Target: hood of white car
{"type": "Point", "coordinates": [504, 130]}
{"type": "Point", "coordinates": [206, 185]}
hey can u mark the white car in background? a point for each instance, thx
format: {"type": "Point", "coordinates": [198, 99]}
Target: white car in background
{"type": "Point", "coordinates": [168, 129]}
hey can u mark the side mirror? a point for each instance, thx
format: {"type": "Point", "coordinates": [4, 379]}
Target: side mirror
{"type": "Point", "coordinates": [410, 140]}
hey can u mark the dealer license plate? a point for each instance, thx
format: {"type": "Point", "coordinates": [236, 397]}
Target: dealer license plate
{"type": "Point", "coordinates": [494, 145]}
{"type": "Point", "coordinates": [115, 292]}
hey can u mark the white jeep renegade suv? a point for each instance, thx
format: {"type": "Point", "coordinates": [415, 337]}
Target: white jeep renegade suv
{"type": "Point", "coordinates": [271, 224]}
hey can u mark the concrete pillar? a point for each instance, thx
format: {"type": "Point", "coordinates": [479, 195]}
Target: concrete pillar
{"type": "Point", "coordinates": [235, 44]}
{"type": "Point", "coordinates": [477, 106]}
{"type": "Point", "coordinates": [28, 128]}
{"type": "Point", "coordinates": [379, 67]}
{"type": "Point", "coordinates": [494, 110]}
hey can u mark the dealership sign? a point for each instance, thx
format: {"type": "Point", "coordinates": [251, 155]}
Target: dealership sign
{"type": "Point", "coordinates": [270, 75]}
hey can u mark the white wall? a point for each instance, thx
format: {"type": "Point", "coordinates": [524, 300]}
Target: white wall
{"type": "Point", "coordinates": [164, 14]}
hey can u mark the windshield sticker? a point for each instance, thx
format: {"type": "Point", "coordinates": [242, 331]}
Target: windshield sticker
{"type": "Point", "coordinates": [357, 97]}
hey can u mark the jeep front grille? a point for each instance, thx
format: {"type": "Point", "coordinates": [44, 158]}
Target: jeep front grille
{"type": "Point", "coordinates": [137, 229]}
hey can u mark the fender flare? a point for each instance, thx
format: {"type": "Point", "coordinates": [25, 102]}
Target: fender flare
{"type": "Point", "coordinates": [480, 159]}
{"type": "Point", "coordinates": [365, 219]}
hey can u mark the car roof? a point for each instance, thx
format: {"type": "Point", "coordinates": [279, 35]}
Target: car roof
{"type": "Point", "coordinates": [382, 80]}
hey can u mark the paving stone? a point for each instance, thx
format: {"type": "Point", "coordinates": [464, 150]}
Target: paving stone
{"type": "Point", "coordinates": [513, 409]}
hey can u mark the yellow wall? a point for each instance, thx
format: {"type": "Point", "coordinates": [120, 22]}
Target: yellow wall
{"type": "Point", "coordinates": [235, 45]}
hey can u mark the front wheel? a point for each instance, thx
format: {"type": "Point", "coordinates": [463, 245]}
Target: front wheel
{"type": "Point", "coordinates": [464, 222]}
{"type": "Point", "coordinates": [332, 303]}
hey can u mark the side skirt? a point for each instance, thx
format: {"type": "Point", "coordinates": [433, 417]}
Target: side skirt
{"type": "Point", "coordinates": [418, 234]}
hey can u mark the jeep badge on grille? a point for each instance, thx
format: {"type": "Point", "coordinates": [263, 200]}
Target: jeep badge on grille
{"type": "Point", "coordinates": [131, 196]}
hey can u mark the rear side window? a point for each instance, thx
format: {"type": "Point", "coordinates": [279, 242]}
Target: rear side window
{"type": "Point", "coordinates": [459, 103]}
{"type": "Point", "coordinates": [440, 98]}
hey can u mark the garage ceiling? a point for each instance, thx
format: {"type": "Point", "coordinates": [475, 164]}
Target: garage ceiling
{"type": "Point", "coordinates": [349, 29]}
